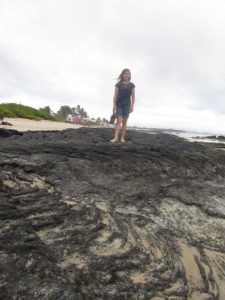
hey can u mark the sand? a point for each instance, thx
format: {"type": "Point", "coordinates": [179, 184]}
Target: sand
{"type": "Point", "coordinates": [26, 124]}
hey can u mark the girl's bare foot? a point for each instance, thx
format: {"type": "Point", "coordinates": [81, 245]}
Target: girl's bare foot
{"type": "Point", "coordinates": [123, 141]}
{"type": "Point", "coordinates": [114, 140]}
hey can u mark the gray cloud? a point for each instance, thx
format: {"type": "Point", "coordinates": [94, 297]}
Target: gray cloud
{"type": "Point", "coordinates": [69, 52]}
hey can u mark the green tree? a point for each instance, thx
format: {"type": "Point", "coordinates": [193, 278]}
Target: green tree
{"type": "Point", "coordinates": [83, 113]}
{"type": "Point", "coordinates": [98, 121]}
{"type": "Point", "coordinates": [104, 120]}
{"type": "Point", "coordinates": [46, 109]}
{"type": "Point", "coordinates": [63, 112]}
{"type": "Point", "coordinates": [74, 112]}
{"type": "Point", "coordinates": [4, 113]}
{"type": "Point", "coordinates": [78, 110]}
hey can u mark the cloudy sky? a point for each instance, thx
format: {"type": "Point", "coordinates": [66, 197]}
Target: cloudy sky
{"type": "Point", "coordinates": [69, 52]}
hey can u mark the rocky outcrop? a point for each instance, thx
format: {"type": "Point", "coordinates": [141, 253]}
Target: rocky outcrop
{"type": "Point", "coordinates": [213, 137]}
{"type": "Point", "coordinates": [81, 218]}
{"type": "Point", "coordinates": [8, 132]}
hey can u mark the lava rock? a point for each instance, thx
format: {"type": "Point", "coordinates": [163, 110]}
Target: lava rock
{"type": "Point", "coordinates": [81, 218]}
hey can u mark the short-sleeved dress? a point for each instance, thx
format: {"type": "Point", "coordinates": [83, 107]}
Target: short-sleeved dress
{"type": "Point", "coordinates": [123, 98]}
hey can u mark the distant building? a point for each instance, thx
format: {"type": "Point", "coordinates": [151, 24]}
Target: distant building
{"type": "Point", "coordinates": [77, 119]}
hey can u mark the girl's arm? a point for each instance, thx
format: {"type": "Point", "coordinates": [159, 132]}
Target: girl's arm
{"type": "Point", "coordinates": [132, 99]}
{"type": "Point", "coordinates": [114, 99]}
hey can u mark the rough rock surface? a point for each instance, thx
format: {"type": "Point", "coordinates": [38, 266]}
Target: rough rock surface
{"type": "Point", "coordinates": [83, 219]}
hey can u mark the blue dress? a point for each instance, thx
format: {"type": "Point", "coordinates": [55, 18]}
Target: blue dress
{"type": "Point", "coordinates": [123, 99]}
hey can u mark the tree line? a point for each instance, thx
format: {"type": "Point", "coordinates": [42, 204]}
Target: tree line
{"type": "Point", "coordinates": [65, 110]}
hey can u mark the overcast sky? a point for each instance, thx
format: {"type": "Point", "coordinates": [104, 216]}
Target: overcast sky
{"type": "Point", "coordinates": [69, 52]}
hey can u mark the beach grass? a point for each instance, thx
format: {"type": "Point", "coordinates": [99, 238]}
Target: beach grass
{"type": "Point", "coordinates": [13, 110]}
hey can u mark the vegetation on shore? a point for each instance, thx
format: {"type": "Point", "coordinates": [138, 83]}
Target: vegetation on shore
{"type": "Point", "coordinates": [65, 111]}
{"type": "Point", "coordinates": [13, 110]}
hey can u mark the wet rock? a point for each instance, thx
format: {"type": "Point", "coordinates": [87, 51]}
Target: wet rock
{"type": "Point", "coordinates": [219, 138]}
{"type": "Point", "coordinates": [81, 218]}
{"type": "Point", "coordinates": [8, 132]}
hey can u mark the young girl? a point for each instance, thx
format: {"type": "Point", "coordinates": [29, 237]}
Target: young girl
{"type": "Point", "coordinates": [123, 103]}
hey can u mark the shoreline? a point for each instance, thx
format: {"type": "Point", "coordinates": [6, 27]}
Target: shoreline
{"type": "Point", "coordinates": [20, 124]}
{"type": "Point", "coordinates": [23, 125]}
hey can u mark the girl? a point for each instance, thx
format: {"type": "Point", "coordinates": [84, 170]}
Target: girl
{"type": "Point", "coordinates": [123, 103]}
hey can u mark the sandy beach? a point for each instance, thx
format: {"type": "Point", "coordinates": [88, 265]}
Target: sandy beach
{"type": "Point", "coordinates": [33, 125]}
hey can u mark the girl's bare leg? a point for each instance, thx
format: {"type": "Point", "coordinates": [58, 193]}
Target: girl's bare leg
{"type": "Point", "coordinates": [117, 129]}
{"type": "Point", "coordinates": [124, 128]}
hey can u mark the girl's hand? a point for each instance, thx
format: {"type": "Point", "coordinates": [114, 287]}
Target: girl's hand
{"type": "Point", "coordinates": [131, 109]}
{"type": "Point", "coordinates": [114, 109]}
